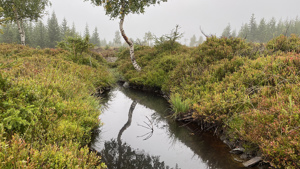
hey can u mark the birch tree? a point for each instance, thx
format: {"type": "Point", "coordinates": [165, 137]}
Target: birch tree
{"type": "Point", "coordinates": [2, 19]}
{"type": "Point", "coordinates": [121, 8]}
{"type": "Point", "coordinates": [20, 10]}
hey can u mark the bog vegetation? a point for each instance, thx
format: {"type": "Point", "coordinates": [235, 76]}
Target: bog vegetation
{"type": "Point", "coordinates": [250, 90]}
{"type": "Point", "coordinates": [47, 110]}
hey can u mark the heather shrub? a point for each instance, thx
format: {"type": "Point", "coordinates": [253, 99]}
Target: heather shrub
{"type": "Point", "coordinates": [214, 49]}
{"type": "Point", "coordinates": [285, 44]}
{"type": "Point", "coordinates": [248, 91]}
{"type": "Point", "coordinates": [47, 112]}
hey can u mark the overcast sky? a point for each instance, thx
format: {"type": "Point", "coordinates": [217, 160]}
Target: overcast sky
{"type": "Point", "coordinates": [212, 15]}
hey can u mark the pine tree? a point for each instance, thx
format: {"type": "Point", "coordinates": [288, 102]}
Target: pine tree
{"type": "Point", "coordinates": [9, 33]}
{"type": "Point", "coordinates": [41, 38]}
{"type": "Point", "coordinates": [252, 29]}
{"type": "Point", "coordinates": [117, 40]}
{"type": "Point", "coordinates": [244, 31]}
{"type": "Point", "coordinates": [148, 37]}
{"type": "Point", "coordinates": [193, 41]}
{"type": "Point", "coordinates": [287, 27]}
{"type": "Point", "coordinates": [29, 33]}
{"type": "Point", "coordinates": [297, 26]}
{"type": "Point", "coordinates": [227, 31]}
{"type": "Point", "coordinates": [73, 31]}
{"type": "Point", "coordinates": [271, 29]}
{"type": "Point", "coordinates": [233, 34]}
{"type": "Point", "coordinates": [201, 40]}
{"type": "Point", "coordinates": [87, 31]}
{"type": "Point", "coordinates": [103, 42]}
{"type": "Point", "coordinates": [53, 31]}
{"type": "Point", "coordinates": [65, 30]}
{"type": "Point", "coordinates": [95, 37]}
{"type": "Point", "coordinates": [262, 31]}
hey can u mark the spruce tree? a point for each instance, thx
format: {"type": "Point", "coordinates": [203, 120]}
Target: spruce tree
{"type": "Point", "coordinates": [244, 31]}
{"type": "Point", "coordinates": [201, 40]}
{"type": "Point", "coordinates": [252, 29]}
{"type": "Point", "coordinates": [117, 40]}
{"type": "Point", "coordinates": [95, 39]}
{"type": "Point", "coordinates": [233, 34]}
{"type": "Point", "coordinates": [8, 33]}
{"type": "Point", "coordinates": [73, 31]}
{"type": "Point", "coordinates": [271, 29]}
{"type": "Point", "coordinates": [193, 41]}
{"type": "Point", "coordinates": [148, 38]}
{"type": "Point", "coordinates": [103, 42]}
{"type": "Point", "coordinates": [65, 30]}
{"type": "Point", "coordinates": [227, 31]}
{"type": "Point", "coordinates": [297, 26]}
{"type": "Point", "coordinates": [87, 31]}
{"type": "Point", "coordinates": [262, 31]}
{"type": "Point", "coordinates": [29, 33]}
{"type": "Point", "coordinates": [41, 38]}
{"type": "Point", "coordinates": [53, 31]}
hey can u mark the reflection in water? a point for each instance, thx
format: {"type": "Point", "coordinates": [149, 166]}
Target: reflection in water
{"type": "Point", "coordinates": [148, 126]}
{"type": "Point", "coordinates": [124, 144]}
{"type": "Point", "coordinates": [128, 123]}
{"type": "Point", "coordinates": [121, 156]}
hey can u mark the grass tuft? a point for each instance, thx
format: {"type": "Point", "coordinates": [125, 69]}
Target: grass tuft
{"type": "Point", "coordinates": [178, 105]}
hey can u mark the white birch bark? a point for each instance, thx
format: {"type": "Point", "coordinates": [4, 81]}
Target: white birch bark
{"type": "Point", "coordinates": [20, 27]}
{"type": "Point", "coordinates": [128, 41]}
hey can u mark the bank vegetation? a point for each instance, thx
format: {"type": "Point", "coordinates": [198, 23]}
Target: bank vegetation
{"type": "Point", "coordinates": [47, 111]}
{"type": "Point", "coordinates": [248, 91]}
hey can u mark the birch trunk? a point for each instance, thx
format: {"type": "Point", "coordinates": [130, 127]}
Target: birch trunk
{"type": "Point", "coordinates": [127, 124]}
{"type": "Point", "coordinates": [20, 27]}
{"type": "Point", "coordinates": [128, 41]}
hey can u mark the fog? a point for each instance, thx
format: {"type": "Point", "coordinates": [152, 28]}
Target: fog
{"type": "Point", "coordinates": [212, 15]}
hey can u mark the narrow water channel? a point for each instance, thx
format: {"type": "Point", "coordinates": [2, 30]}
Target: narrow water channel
{"type": "Point", "coordinates": [138, 134]}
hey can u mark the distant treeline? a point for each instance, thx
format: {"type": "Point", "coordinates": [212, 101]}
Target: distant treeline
{"type": "Point", "coordinates": [265, 30]}
{"type": "Point", "coordinates": [46, 36]}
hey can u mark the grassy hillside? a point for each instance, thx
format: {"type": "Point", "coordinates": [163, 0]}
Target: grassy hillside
{"type": "Point", "coordinates": [46, 108]}
{"type": "Point", "coordinates": [249, 90]}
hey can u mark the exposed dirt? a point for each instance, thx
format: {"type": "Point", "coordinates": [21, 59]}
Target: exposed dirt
{"type": "Point", "coordinates": [108, 54]}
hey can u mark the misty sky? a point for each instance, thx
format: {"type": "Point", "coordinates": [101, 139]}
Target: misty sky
{"type": "Point", "coordinates": [212, 15]}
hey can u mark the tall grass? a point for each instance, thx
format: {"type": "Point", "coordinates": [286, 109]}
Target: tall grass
{"type": "Point", "coordinates": [178, 105]}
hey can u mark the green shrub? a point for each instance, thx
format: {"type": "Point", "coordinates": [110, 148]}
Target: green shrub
{"type": "Point", "coordinates": [17, 153]}
{"type": "Point", "coordinates": [167, 46]}
{"type": "Point", "coordinates": [285, 44]}
{"type": "Point", "coordinates": [75, 45]}
{"type": "Point", "coordinates": [45, 100]}
{"type": "Point", "coordinates": [251, 92]}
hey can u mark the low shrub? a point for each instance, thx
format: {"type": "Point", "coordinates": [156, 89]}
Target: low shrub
{"type": "Point", "coordinates": [251, 92]}
{"type": "Point", "coordinates": [46, 108]}
{"type": "Point", "coordinates": [214, 49]}
{"type": "Point", "coordinates": [285, 44]}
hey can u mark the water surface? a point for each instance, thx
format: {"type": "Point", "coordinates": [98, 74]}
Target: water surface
{"type": "Point", "coordinates": [137, 133]}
